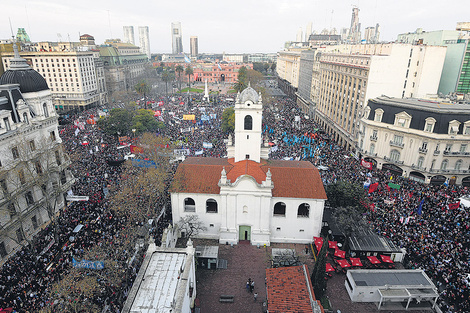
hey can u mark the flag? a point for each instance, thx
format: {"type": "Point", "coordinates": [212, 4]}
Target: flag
{"type": "Point", "coordinates": [453, 206]}
{"type": "Point", "coordinates": [366, 164]}
{"type": "Point", "coordinates": [76, 132]}
{"type": "Point", "coordinates": [420, 207]}
{"type": "Point", "coordinates": [186, 59]}
{"type": "Point", "coordinates": [219, 66]}
{"type": "Point", "coordinates": [373, 187]}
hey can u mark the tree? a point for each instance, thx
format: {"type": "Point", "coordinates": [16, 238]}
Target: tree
{"type": "Point", "coordinates": [346, 194]}
{"type": "Point", "coordinates": [167, 77]}
{"type": "Point", "coordinates": [241, 80]}
{"type": "Point", "coordinates": [228, 120]}
{"type": "Point", "coordinates": [273, 66]}
{"type": "Point", "coordinates": [142, 88]}
{"type": "Point", "coordinates": [189, 71]}
{"type": "Point", "coordinates": [179, 69]}
{"type": "Point", "coordinates": [118, 123]}
{"type": "Point", "coordinates": [144, 121]}
{"type": "Point", "coordinates": [191, 225]}
{"type": "Point", "coordinates": [350, 220]}
{"type": "Point", "coordinates": [254, 77]}
{"type": "Point", "coordinates": [318, 276]}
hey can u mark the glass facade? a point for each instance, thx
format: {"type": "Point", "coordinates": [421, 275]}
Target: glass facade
{"type": "Point", "coordinates": [463, 85]}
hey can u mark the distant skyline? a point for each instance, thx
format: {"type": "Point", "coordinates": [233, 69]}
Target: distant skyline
{"type": "Point", "coordinates": [231, 27]}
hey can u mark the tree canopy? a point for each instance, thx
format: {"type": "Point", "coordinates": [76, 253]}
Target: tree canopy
{"type": "Point", "coordinates": [144, 121]}
{"type": "Point", "coordinates": [117, 123]}
{"type": "Point", "coordinates": [228, 120]}
{"type": "Point", "coordinates": [346, 194]}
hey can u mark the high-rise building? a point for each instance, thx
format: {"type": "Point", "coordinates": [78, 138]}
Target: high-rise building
{"type": "Point", "coordinates": [193, 46]}
{"type": "Point", "coordinates": [377, 33]}
{"type": "Point", "coordinates": [308, 31]}
{"type": "Point", "coordinates": [129, 34]}
{"type": "Point", "coordinates": [176, 38]}
{"type": "Point", "coordinates": [355, 29]}
{"type": "Point", "coordinates": [299, 36]}
{"type": "Point", "coordinates": [22, 36]}
{"type": "Point", "coordinates": [369, 34]}
{"type": "Point", "coordinates": [144, 40]}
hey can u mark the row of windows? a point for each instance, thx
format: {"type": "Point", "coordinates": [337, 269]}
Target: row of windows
{"type": "Point", "coordinates": [303, 210]}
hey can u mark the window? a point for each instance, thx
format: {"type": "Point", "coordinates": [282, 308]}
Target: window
{"type": "Point", "coordinates": [448, 147]}
{"type": "Point", "coordinates": [21, 176]}
{"type": "Point", "coordinates": [280, 209]}
{"type": "Point", "coordinates": [248, 123]}
{"type": "Point", "coordinates": [372, 148]}
{"type": "Point", "coordinates": [378, 115]}
{"type": "Point", "coordinates": [463, 148]}
{"type": "Point", "coordinates": [444, 165]}
{"type": "Point", "coordinates": [424, 146]}
{"type": "Point", "coordinates": [32, 145]}
{"type": "Point", "coordinates": [57, 157]}
{"type": "Point", "coordinates": [46, 112]}
{"type": "Point", "coordinates": [395, 155]}
{"type": "Point", "coordinates": [25, 118]}
{"type": "Point", "coordinates": [467, 130]}
{"type": "Point", "coordinates": [6, 121]}
{"type": "Point", "coordinates": [3, 250]}
{"type": "Point", "coordinates": [3, 186]}
{"type": "Point", "coordinates": [189, 205]}
{"type": "Point", "coordinates": [19, 235]}
{"type": "Point", "coordinates": [38, 167]}
{"type": "Point", "coordinates": [11, 209]}
{"type": "Point", "coordinates": [420, 162]}
{"type": "Point", "coordinates": [63, 178]}
{"type": "Point", "coordinates": [211, 206]}
{"type": "Point", "coordinates": [34, 222]}
{"type": "Point", "coordinates": [458, 165]}
{"type": "Point", "coordinates": [15, 153]}
{"type": "Point", "coordinates": [432, 164]}
{"type": "Point", "coordinates": [398, 140]}
{"type": "Point", "coordinates": [29, 198]}
{"type": "Point", "coordinates": [53, 138]}
{"type": "Point", "coordinates": [303, 210]}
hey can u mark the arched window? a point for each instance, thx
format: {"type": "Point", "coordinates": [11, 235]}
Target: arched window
{"type": "Point", "coordinates": [248, 122]}
{"type": "Point", "coordinates": [420, 162]}
{"type": "Point", "coordinates": [303, 210]}
{"type": "Point", "coordinates": [46, 112]}
{"type": "Point", "coordinates": [211, 206]}
{"type": "Point", "coordinates": [25, 118]}
{"type": "Point", "coordinates": [395, 155]}
{"type": "Point", "coordinates": [189, 205]}
{"type": "Point", "coordinates": [280, 209]}
{"type": "Point", "coordinates": [458, 165]}
{"type": "Point", "coordinates": [444, 164]}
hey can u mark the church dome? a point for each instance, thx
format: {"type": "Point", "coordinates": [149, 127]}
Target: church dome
{"type": "Point", "coordinates": [29, 80]}
{"type": "Point", "coordinates": [21, 73]}
{"type": "Point", "coordinates": [249, 94]}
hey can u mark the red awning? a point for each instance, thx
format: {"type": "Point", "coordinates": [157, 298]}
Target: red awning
{"type": "Point", "coordinates": [343, 263]}
{"type": "Point", "coordinates": [355, 261]}
{"type": "Point", "coordinates": [332, 244]}
{"type": "Point", "coordinates": [340, 253]}
{"type": "Point", "coordinates": [373, 260]}
{"type": "Point", "coordinates": [329, 268]}
{"type": "Point", "coordinates": [386, 259]}
{"type": "Point", "coordinates": [318, 243]}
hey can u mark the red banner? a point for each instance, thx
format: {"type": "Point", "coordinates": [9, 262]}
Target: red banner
{"type": "Point", "coordinates": [373, 187]}
{"type": "Point", "coordinates": [366, 164]}
{"type": "Point", "coordinates": [136, 149]}
{"type": "Point", "coordinates": [453, 206]}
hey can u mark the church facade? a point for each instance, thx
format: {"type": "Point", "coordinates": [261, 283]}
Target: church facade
{"type": "Point", "coordinates": [246, 196]}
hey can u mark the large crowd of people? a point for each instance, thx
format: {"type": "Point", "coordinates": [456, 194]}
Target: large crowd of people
{"type": "Point", "coordinates": [436, 238]}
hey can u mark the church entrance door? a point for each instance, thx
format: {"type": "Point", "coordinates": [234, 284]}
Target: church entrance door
{"type": "Point", "coordinates": [244, 233]}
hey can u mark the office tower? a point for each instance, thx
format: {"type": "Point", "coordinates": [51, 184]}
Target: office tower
{"type": "Point", "coordinates": [369, 34]}
{"type": "Point", "coordinates": [144, 40]}
{"type": "Point", "coordinates": [193, 46]}
{"type": "Point", "coordinates": [308, 31]}
{"type": "Point", "coordinates": [355, 29]}
{"type": "Point", "coordinates": [176, 38]}
{"type": "Point", "coordinates": [129, 34]}
{"type": "Point", "coordinates": [377, 33]}
{"type": "Point", "coordinates": [299, 35]}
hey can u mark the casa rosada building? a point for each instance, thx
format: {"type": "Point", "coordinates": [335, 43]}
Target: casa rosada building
{"type": "Point", "coordinates": [212, 72]}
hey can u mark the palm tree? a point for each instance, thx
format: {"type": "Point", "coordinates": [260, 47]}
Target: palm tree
{"type": "Point", "coordinates": [179, 69]}
{"type": "Point", "coordinates": [189, 71]}
{"type": "Point", "coordinates": [166, 77]}
{"type": "Point", "coordinates": [142, 88]}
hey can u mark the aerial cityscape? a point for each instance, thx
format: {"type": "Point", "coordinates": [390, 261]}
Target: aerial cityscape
{"type": "Point", "coordinates": [257, 157]}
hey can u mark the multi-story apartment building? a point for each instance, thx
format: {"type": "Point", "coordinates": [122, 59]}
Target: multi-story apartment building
{"type": "Point", "coordinates": [33, 166]}
{"type": "Point", "coordinates": [129, 34]}
{"type": "Point", "coordinates": [144, 41]}
{"type": "Point", "coordinates": [193, 41]}
{"type": "Point", "coordinates": [176, 38]}
{"type": "Point", "coordinates": [288, 70]}
{"type": "Point", "coordinates": [357, 73]}
{"type": "Point", "coordinates": [424, 140]}
{"type": "Point", "coordinates": [456, 70]}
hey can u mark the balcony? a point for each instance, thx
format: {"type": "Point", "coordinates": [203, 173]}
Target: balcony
{"type": "Point", "coordinates": [396, 144]}
{"type": "Point", "coordinates": [436, 152]}
{"type": "Point", "coordinates": [456, 153]}
{"type": "Point", "coordinates": [448, 171]}
{"type": "Point", "coordinates": [393, 161]}
{"type": "Point", "coordinates": [423, 150]}
{"type": "Point", "coordinates": [373, 138]}
{"type": "Point", "coordinates": [419, 168]}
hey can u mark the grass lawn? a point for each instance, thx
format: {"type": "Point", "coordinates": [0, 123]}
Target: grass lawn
{"type": "Point", "coordinates": [231, 91]}
{"type": "Point", "coordinates": [192, 90]}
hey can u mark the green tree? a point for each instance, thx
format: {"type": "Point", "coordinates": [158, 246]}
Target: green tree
{"type": "Point", "coordinates": [273, 66]}
{"type": "Point", "coordinates": [346, 194]}
{"type": "Point", "coordinates": [179, 69]}
{"type": "Point", "coordinates": [189, 71]}
{"type": "Point", "coordinates": [118, 123]}
{"type": "Point", "coordinates": [142, 88]}
{"type": "Point", "coordinates": [242, 82]}
{"type": "Point", "coordinates": [144, 121]}
{"type": "Point", "coordinates": [167, 77]}
{"type": "Point", "coordinates": [228, 120]}
{"type": "Point", "coordinates": [319, 272]}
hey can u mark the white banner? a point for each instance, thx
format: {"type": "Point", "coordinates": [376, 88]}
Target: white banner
{"type": "Point", "coordinates": [77, 198]}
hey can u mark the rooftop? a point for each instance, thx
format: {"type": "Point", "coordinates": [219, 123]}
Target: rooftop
{"type": "Point", "coordinates": [401, 278]}
{"type": "Point", "coordinates": [427, 105]}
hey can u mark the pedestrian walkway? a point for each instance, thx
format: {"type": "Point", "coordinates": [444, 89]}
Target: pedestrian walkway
{"type": "Point", "coordinates": [243, 261]}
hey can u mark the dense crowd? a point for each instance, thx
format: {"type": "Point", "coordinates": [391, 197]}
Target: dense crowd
{"type": "Point", "coordinates": [436, 240]}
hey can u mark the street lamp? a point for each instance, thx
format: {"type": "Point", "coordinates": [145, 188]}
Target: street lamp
{"type": "Point", "coordinates": [133, 131]}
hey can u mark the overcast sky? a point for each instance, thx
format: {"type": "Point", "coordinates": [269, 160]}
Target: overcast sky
{"type": "Point", "coordinates": [222, 26]}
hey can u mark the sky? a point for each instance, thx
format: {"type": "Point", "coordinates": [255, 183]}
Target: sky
{"type": "Point", "coordinates": [241, 26]}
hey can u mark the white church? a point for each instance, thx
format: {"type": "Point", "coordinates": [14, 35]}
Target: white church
{"type": "Point", "coordinates": [246, 196]}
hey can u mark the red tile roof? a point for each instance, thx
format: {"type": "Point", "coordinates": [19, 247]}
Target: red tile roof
{"type": "Point", "coordinates": [289, 289]}
{"type": "Point", "coordinates": [292, 179]}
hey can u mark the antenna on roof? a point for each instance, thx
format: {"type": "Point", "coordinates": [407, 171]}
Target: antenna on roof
{"type": "Point", "coordinates": [11, 28]}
